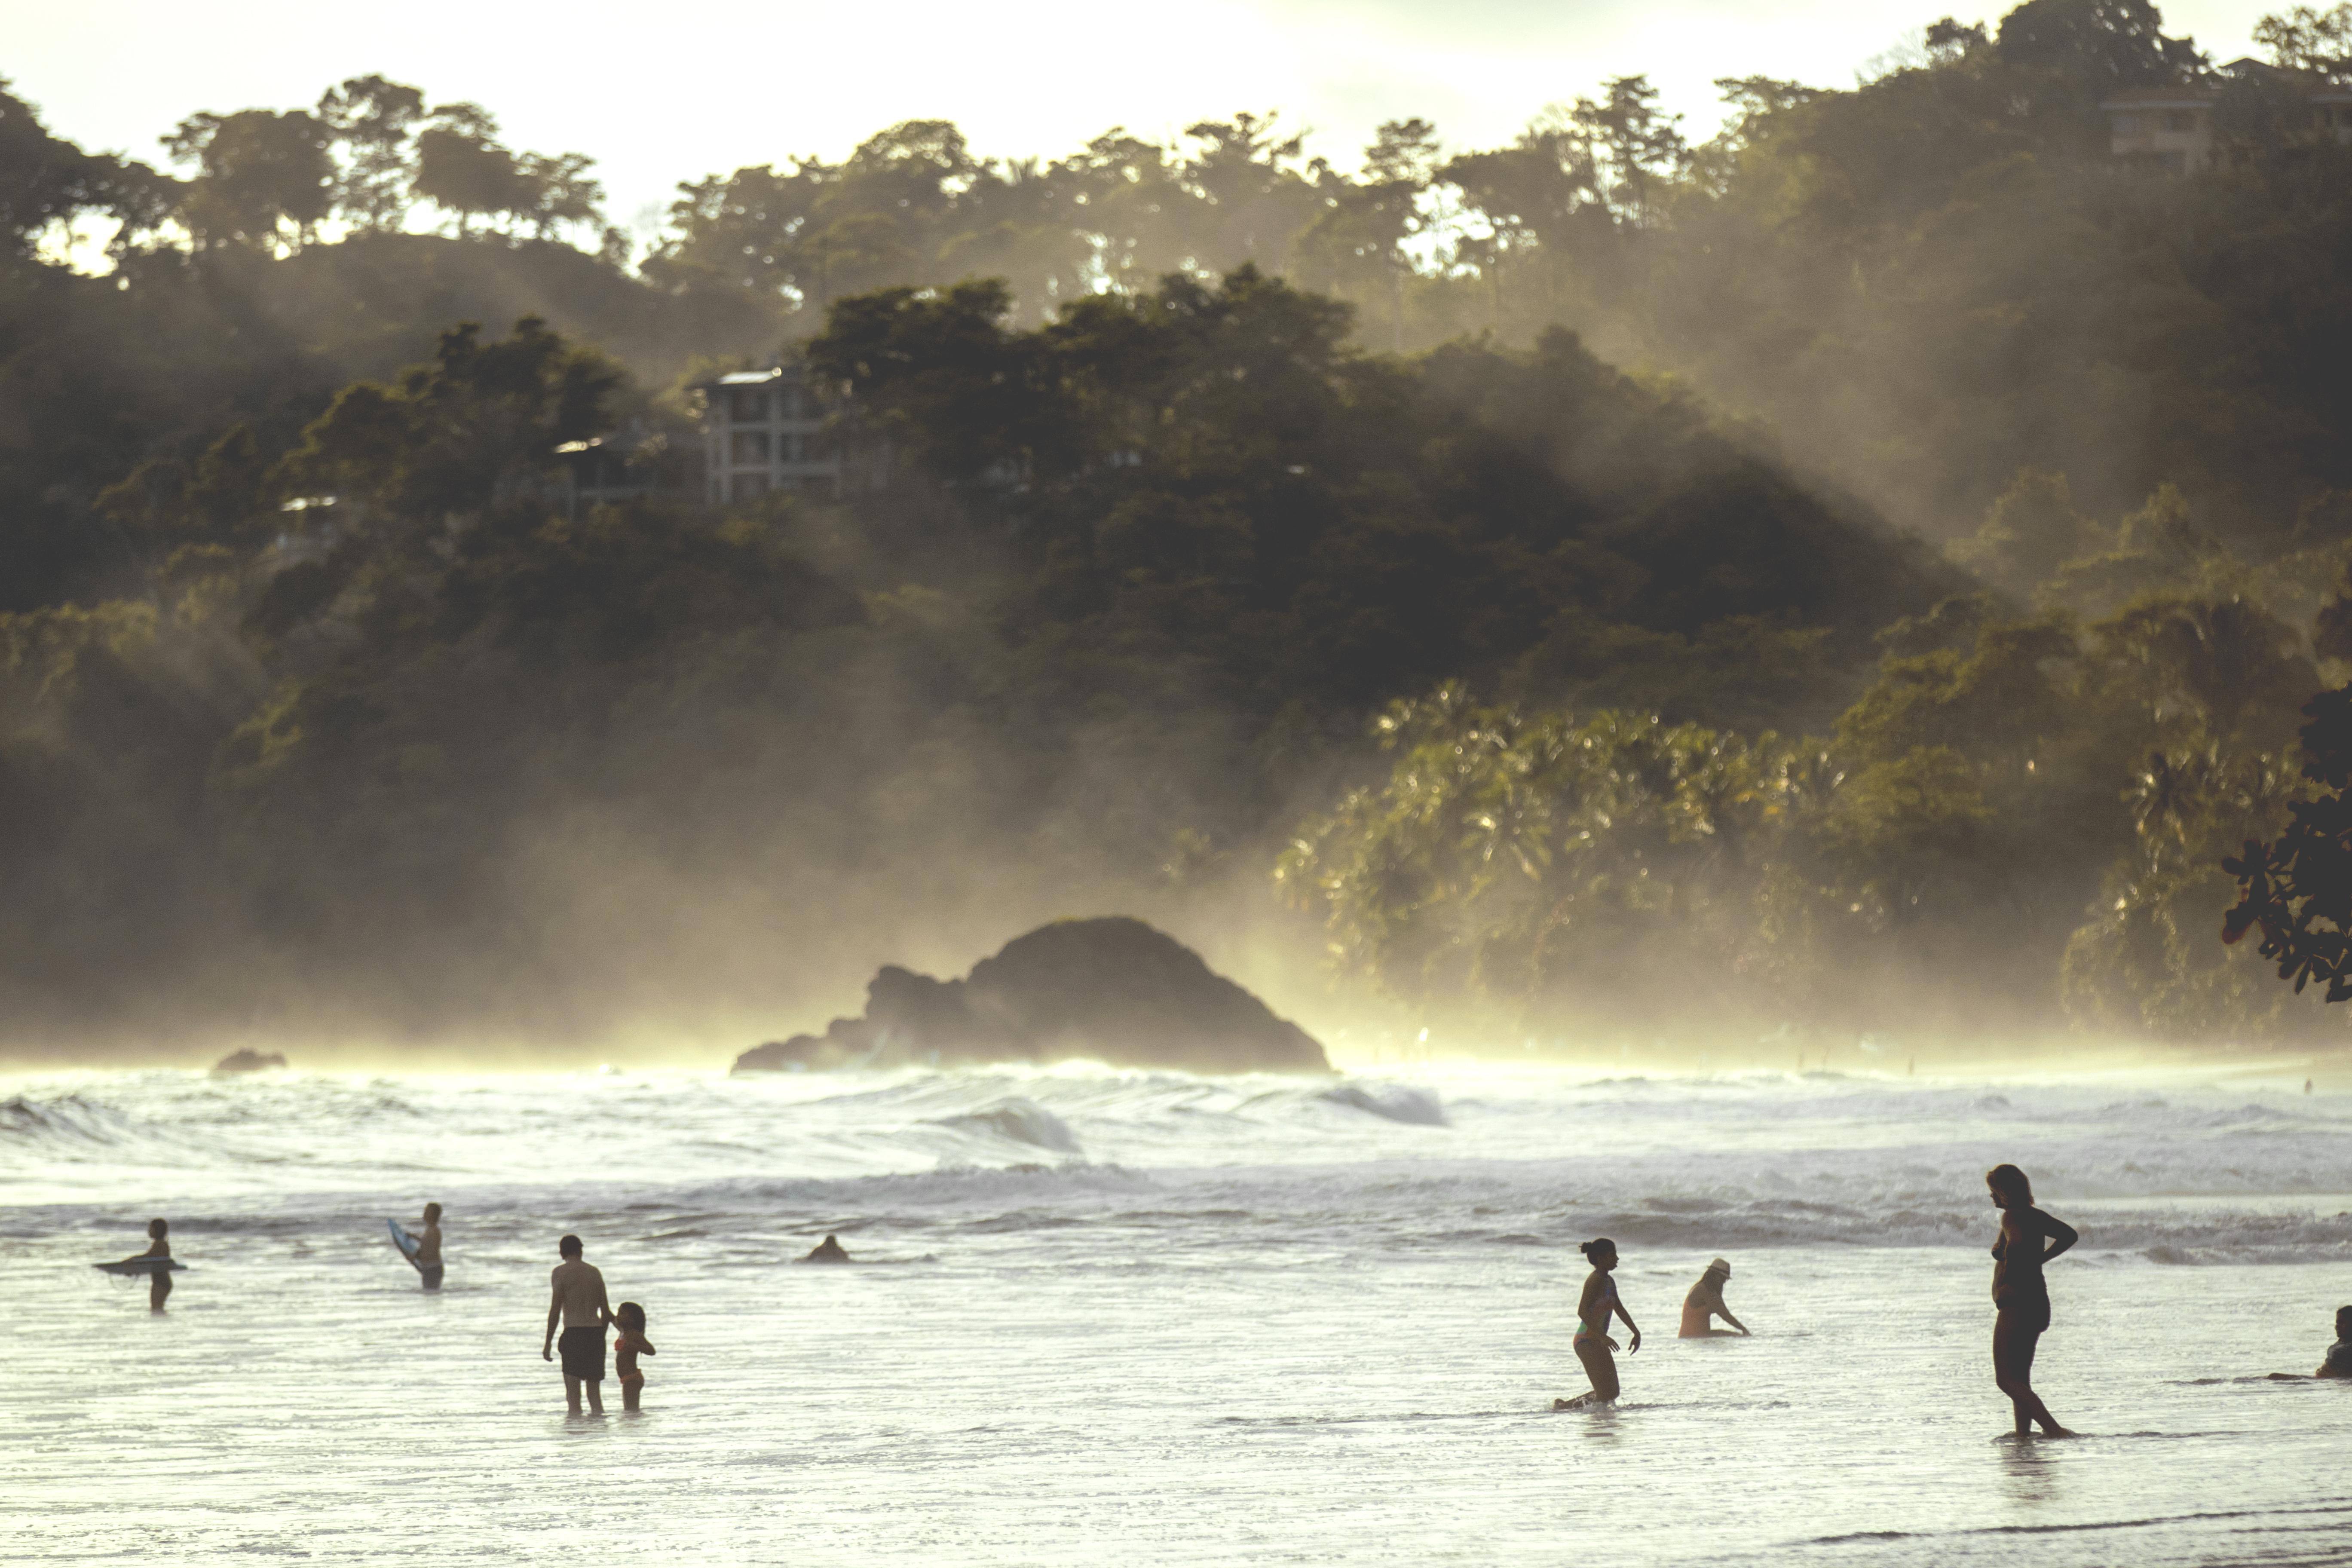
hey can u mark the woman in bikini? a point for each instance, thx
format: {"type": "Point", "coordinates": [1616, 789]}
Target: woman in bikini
{"type": "Point", "coordinates": [1593, 1311]}
{"type": "Point", "coordinates": [2020, 1296]}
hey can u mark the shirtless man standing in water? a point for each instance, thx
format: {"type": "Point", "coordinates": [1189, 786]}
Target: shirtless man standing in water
{"type": "Point", "coordinates": [581, 1303]}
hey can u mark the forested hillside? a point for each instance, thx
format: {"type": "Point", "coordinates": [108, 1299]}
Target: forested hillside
{"type": "Point", "coordinates": [1862, 572]}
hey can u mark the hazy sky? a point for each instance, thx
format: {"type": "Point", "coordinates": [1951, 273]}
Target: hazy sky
{"type": "Point", "coordinates": [656, 96]}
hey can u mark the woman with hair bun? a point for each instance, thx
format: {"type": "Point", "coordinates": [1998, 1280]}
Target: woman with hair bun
{"type": "Point", "coordinates": [1593, 1311]}
{"type": "Point", "coordinates": [2020, 1296]}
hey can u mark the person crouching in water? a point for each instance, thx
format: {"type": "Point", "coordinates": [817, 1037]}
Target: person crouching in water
{"type": "Point", "coordinates": [1704, 1303]}
{"type": "Point", "coordinates": [2020, 1295]}
{"type": "Point", "coordinates": [2339, 1354]}
{"type": "Point", "coordinates": [1593, 1310]}
{"type": "Point", "coordinates": [629, 1345]}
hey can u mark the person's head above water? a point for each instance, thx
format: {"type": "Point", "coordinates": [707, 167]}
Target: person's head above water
{"type": "Point", "coordinates": [1601, 1253]}
{"type": "Point", "coordinates": [1718, 1271]}
{"type": "Point", "coordinates": [2010, 1188]}
{"type": "Point", "coordinates": [159, 1229]}
{"type": "Point", "coordinates": [569, 1246]}
{"type": "Point", "coordinates": [2344, 1323]}
{"type": "Point", "coordinates": [432, 1213]}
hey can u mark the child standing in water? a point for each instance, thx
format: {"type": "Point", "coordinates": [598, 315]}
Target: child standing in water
{"type": "Point", "coordinates": [1593, 1311]}
{"type": "Point", "coordinates": [630, 1344]}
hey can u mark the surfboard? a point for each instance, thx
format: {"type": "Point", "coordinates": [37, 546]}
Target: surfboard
{"type": "Point", "coordinates": [408, 1244]}
{"type": "Point", "coordinates": [141, 1266]}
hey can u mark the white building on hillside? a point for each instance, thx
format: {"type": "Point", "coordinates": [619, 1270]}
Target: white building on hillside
{"type": "Point", "coordinates": [2173, 125]}
{"type": "Point", "coordinates": [762, 431]}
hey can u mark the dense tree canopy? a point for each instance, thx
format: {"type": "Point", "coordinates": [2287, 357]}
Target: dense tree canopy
{"type": "Point", "coordinates": [1931, 595]}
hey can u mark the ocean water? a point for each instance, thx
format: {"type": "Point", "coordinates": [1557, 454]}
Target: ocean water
{"type": "Point", "coordinates": [1161, 1318]}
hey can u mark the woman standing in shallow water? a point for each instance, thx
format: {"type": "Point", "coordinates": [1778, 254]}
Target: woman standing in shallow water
{"type": "Point", "coordinates": [1593, 1311]}
{"type": "Point", "coordinates": [2020, 1296]}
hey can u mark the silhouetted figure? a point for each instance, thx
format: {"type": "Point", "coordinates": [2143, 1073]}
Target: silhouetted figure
{"type": "Point", "coordinates": [2020, 1296]}
{"type": "Point", "coordinates": [580, 1301]}
{"type": "Point", "coordinates": [1705, 1303]}
{"type": "Point", "coordinates": [428, 1247]}
{"type": "Point", "coordinates": [159, 1245]}
{"type": "Point", "coordinates": [1593, 1311]}
{"type": "Point", "coordinates": [2339, 1354]}
{"type": "Point", "coordinates": [627, 1345]}
{"type": "Point", "coordinates": [826, 1251]}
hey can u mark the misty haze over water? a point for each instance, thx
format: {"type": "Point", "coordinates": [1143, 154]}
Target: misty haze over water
{"type": "Point", "coordinates": [1731, 679]}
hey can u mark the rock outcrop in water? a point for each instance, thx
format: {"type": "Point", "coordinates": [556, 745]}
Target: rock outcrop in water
{"type": "Point", "coordinates": [248, 1061]}
{"type": "Point", "coordinates": [1113, 990]}
{"type": "Point", "coordinates": [829, 1250]}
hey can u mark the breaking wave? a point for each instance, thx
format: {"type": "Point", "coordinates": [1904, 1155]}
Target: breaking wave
{"type": "Point", "coordinates": [1464, 1157]}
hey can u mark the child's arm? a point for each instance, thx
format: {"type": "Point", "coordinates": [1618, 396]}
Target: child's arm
{"type": "Point", "coordinates": [1629, 1323]}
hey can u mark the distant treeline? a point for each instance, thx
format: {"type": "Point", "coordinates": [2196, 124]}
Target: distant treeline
{"type": "Point", "coordinates": [1188, 464]}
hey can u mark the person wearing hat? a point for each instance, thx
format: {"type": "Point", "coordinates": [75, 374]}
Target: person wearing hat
{"type": "Point", "coordinates": [1704, 1303]}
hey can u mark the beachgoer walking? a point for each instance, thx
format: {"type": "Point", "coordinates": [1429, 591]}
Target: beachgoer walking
{"type": "Point", "coordinates": [1705, 1303]}
{"type": "Point", "coordinates": [2020, 1296]}
{"type": "Point", "coordinates": [579, 1300]}
{"type": "Point", "coordinates": [428, 1247]}
{"type": "Point", "coordinates": [2339, 1354]}
{"type": "Point", "coordinates": [627, 1346]}
{"type": "Point", "coordinates": [1593, 1311]}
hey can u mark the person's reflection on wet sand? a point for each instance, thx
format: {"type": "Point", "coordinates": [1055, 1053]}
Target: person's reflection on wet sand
{"type": "Point", "coordinates": [2020, 1293]}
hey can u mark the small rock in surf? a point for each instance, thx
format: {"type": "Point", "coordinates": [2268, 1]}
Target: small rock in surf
{"type": "Point", "coordinates": [248, 1061]}
{"type": "Point", "coordinates": [829, 1250]}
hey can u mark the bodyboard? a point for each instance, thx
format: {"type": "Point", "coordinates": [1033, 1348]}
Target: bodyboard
{"type": "Point", "coordinates": [408, 1244]}
{"type": "Point", "coordinates": [141, 1266]}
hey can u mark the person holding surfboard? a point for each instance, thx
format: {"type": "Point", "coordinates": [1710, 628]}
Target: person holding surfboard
{"type": "Point", "coordinates": [156, 1263]}
{"type": "Point", "coordinates": [428, 1247]}
{"type": "Point", "coordinates": [159, 1277]}
{"type": "Point", "coordinates": [579, 1300]}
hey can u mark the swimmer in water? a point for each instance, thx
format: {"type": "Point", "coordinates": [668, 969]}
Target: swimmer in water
{"type": "Point", "coordinates": [1705, 1303]}
{"type": "Point", "coordinates": [159, 1245]}
{"type": "Point", "coordinates": [2020, 1296]}
{"type": "Point", "coordinates": [428, 1247]}
{"type": "Point", "coordinates": [1593, 1310]}
{"type": "Point", "coordinates": [2339, 1354]}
